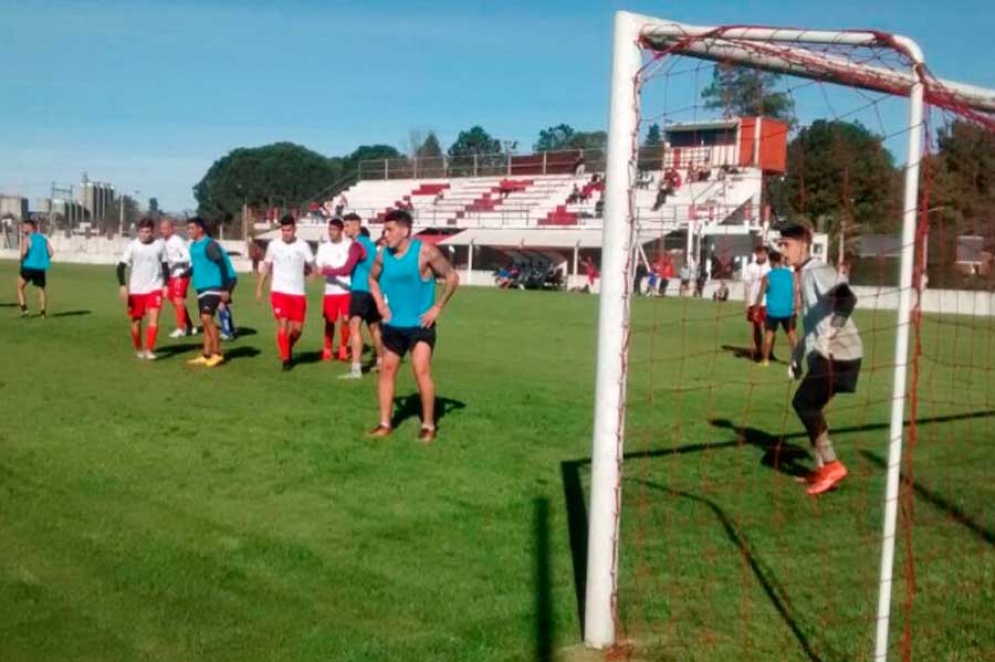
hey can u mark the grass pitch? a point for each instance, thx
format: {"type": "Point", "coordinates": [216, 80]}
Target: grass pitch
{"type": "Point", "coordinates": [155, 511]}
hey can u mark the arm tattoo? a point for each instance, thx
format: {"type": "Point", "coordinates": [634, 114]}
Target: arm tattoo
{"type": "Point", "coordinates": [441, 267]}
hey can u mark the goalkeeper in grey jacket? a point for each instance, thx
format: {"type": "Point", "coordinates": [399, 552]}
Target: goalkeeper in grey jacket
{"type": "Point", "coordinates": [830, 352]}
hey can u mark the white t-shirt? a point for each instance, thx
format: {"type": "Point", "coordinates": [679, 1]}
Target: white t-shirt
{"type": "Point", "coordinates": [753, 276]}
{"type": "Point", "coordinates": [335, 255]}
{"type": "Point", "coordinates": [177, 255]}
{"type": "Point", "coordinates": [145, 262]}
{"type": "Point", "coordinates": [287, 263]}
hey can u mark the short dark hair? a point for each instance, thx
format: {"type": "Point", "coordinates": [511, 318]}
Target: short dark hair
{"type": "Point", "coordinates": [31, 222]}
{"type": "Point", "coordinates": [352, 216]}
{"type": "Point", "coordinates": [774, 257]}
{"type": "Point", "coordinates": [146, 223]}
{"type": "Point", "coordinates": [199, 222]}
{"type": "Point", "coordinates": [364, 231]}
{"type": "Point", "coordinates": [801, 230]}
{"type": "Point", "coordinates": [400, 217]}
{"type": "Point", "coordinates": [335, 223]}
{"type": "Point", "coordinates": [760, 248]}
{"type": "Point", "coordinates": [287, 219]}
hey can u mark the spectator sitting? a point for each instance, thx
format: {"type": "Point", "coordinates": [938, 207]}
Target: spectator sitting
{"type": "Point", "coordinates": [574, 196]}
{"type": "Point", "coordinates": [579, 167]}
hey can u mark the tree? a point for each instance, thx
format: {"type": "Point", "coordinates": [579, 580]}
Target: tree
{"type": "Point", "coordinates": [746, 92]}
{"type": "Point", "coordinates": [555, 138]}
{"type": "Point", "coordinates": [475, 152]}
{"type": "Point", "coordinates": [958, 186]}
{"type": "Point", "coordinates": [429, 148]}
{"type": "Point", "coordinates": [475, 141]}
{"type": "Point", "coordinates": [589, 140]}
{"type": "Point", "coordinates": [840, 176]}
{"type": "Point", "coordinates": [154, 207]}
{"type": "Point", "coordinates": [282, 174]}
{"type": "Point", "coordinates": [653, 137]}
{"type": "Point", "coordinates": [352, 164]}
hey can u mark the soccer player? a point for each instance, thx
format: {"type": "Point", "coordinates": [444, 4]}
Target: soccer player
{"type": "Point", "coordinates": [333, 254]}
{"type": "Point", "coordinates": [147, 259]}
{"type": "Point", "coordinates": [178, 258]}
{"type": "Point", "coordinates": [362, 307]}
{"type": "Point", "coordinates": [289, 260]}
{"type": "Point", "coordinates": [778, 288]}
{"type": "Point", "coordinates": [831, 348]}
{"type": "Point", "coordinates": [213, 282]}
{"type": "Point", "coordinates": [36, 257]}
{"type": "Point", "coordinates": [225, 316]}
{"type": "Point", "coordinates": [756, 308]}
{"type": "Point", "coordinates": [402, 282]}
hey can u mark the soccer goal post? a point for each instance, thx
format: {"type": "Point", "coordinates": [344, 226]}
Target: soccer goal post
{"type": "Point", "coordinates": [875, 67]}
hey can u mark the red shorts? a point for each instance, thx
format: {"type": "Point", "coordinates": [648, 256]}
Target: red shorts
{"type": "Point", "coordinates": [178, 288]}
{"type": "Point", "coordinates": [139, 304]}
{"type": "Point", "coordinates": [290, 307]}
{"type": "Point", "coordinates": [756, 314]}
{"type": "Point", "coordinates": [335, 306]}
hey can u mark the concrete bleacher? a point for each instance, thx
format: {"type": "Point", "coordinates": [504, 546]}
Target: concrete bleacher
{"type": "Point", "coordinates": [544, 200]}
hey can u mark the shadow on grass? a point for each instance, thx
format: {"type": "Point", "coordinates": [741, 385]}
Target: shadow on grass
{"type": "Point", "coordinates": [241, 353]}
{"type": "Point", "coordinates": [939, 501]}
{"type": "Point", "coordinates": [765, 577]}
{"type": "Point", "coordinates": [166, 352]}
{"type": "Point", "coordinates": [778, 454]}
{"type": "Point", "coordinates": [409, 406]}
{"type": "Point", "coordinates": [244, 332]}
{"type": "Point", "coordinates": [543, 592]}
{"type": "Point", "coordinates": [304, 358]}
{"type": "Point", "coordinates": [8, 305]}
{"type": "Point", "coordinates": [72, 313]}
{"type": "Point", "coordinates": [740, 352]}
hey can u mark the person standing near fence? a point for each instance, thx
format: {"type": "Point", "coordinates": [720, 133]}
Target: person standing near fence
{"type": "Point", "coordinates": [36, 257]}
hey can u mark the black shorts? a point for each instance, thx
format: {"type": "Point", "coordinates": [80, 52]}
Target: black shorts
{"type": "Point", "coordinates": [826, 377]}
{"type": "Point", "coordinates": [34, 276]}
{"type": "Point", "coordinates": [363, 306]}
{"type": "Point", "coordinates": [787, 323]}
{"type": "Point", "coordinates": [400, 339]}
{"type": "Point", "coordinates": [208, 301]}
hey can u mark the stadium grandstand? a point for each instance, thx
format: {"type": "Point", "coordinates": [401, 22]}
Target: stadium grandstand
{"type": "Point", "coordinates": [699, 194]}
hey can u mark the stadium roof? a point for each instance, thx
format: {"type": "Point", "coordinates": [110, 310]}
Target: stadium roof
{"type": "Point", "coordinates": [528, 238]}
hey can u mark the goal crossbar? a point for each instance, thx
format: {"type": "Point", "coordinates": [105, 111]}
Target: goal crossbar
{"type": "Point", "coordinates": [782, 50]}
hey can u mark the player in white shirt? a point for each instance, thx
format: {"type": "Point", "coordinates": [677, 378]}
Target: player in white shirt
{"type": "Point", "coordinates": [333, 254]}
{"type": "Point", "coordinates": [178, 259]}
{"type": "Point", "coordinates": [146, 258]}
{"type": "Point", "coordinates": [289, 259]}
{"type": "Point", "coordinates": [756, 315]}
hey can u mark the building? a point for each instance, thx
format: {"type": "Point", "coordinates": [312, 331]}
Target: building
{"type": "Point", "coordinates": [97, 198]}
{"type": "Point", "coordinates": [13, 206]}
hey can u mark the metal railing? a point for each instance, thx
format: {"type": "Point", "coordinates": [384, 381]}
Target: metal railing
{"type": "Point", "coordinates": [563, 162]}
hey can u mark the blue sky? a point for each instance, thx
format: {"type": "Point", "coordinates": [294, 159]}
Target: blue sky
{"type": "Point", "coordinates": [147, 94]}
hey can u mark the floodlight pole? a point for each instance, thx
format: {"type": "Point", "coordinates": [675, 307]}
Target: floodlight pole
{"type": "Point", "coordinates": [904, 324]}
{"type": "Point", "coordinates": [613, 317]}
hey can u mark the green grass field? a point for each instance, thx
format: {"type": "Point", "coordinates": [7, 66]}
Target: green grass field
{"type": "Point", "coordinates": [155, 511]}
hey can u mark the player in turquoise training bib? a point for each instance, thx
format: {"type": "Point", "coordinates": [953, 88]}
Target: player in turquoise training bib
{"type": "Point", "coordinates": [402, 283]}
{"type": "Point", "coordinates": [778, 288]}
{"type": "Point", "coordinates": [36, 256]}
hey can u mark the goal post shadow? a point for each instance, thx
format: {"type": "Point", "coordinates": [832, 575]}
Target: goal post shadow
{"type": "Point", "coordinates": [780, 455]}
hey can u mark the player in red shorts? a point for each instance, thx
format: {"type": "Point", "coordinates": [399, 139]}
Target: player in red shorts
{"type": "Point", "coordinates": [178, 258]}
{"type": "Point", "coordinates": [146, 258]}
{"type": "Point", "coordinates": [756, 304]}
{"type": "Point", "coordinates": [334, 254]}
{"type": "Point", "coordinates": [289, 259]}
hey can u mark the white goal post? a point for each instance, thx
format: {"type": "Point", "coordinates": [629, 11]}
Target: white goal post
{"type": "Point", "coordinates": [779, 50]}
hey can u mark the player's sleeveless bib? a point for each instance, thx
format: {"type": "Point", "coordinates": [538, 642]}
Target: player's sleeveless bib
{"type": "Point", "coordinates": [361, 274]}
{"type": "Point", "coordinates": [409, 296]}
{"type": "Point", "coordinates": [37, 255]}
{"type": "Point", "coordinates": [206, 274]}
{"type": "Point", "coordinates": [780, 293]}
